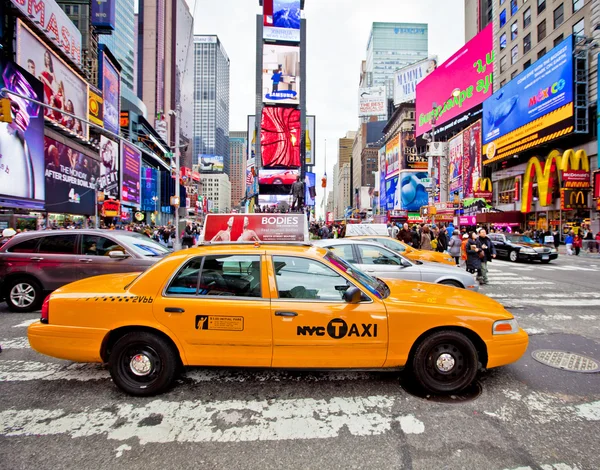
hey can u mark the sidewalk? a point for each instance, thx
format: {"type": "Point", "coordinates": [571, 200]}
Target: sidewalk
{"type": "Point", "coordinates": [562, 251]}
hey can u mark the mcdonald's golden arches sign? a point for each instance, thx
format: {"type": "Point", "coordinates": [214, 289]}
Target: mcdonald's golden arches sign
{"type": "Point", "coordinates": [573, 199]}
{"type": "Point", "coordinates": [483, 189]}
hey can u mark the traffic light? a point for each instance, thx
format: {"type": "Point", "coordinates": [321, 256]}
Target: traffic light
{"type": "Point", "coordinates": [5, 112]}
{"type": "Point", "coordinates": [324, 182]}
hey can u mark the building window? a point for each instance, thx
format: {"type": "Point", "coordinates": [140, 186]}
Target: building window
{"type": "Point", "coordinates": [526, 18]}
{"type": "Point", "coordinates": [506, 191]}
{"type": "Point", "coordinates": [559, 16]}
{"type": "Point", "coordinates": [526, 64]}
{"type": "Point", "coordinates": [577, 5]}
{"type": "Point", "coordinates": [502, 2]}
{"type": "Point", "coordinates": [541, 6]}
{"type": "Point", "coordinates": [514, 55]}
{"type": "Point", "coordinates": [76, 9]}
{"type": "Point", "coordinates": [502, 83]}
{"type": "Point", "coordinates": [502, 64]}
{"type": "Point", "coordinates": [579, 27]}
{"type": "Point", "coordinates": [67, 9]}
{"type": "Point", "coordinates": [503, 41]}
{"type": "Point", "coordinates": [527, 44]}
{"type": "Point", "coordinates": [558, 40]}
{"type": "Point", "coordinates": [513, 74]}
{"type": "Point", "coordinates": [541, 30]}
{"type": "Point", "coordinates": [502, 18]}
{"type": "Point", "coordinates": [513, 7]}
{"type": "Point", "coordinates": [514, 31]}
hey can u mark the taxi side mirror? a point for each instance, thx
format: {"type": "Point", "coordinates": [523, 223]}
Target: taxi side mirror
{"type": "Point", "coordinates": [353, 295]}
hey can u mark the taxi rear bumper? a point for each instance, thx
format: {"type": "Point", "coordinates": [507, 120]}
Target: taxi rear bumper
{"type": "Point", "coordinates": [76, 344]}
{"type": "Point", "coordinates": [506, 349]}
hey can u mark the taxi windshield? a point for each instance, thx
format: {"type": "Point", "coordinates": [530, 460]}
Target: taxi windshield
{"type": "Point", "coordinates": [373, 285]}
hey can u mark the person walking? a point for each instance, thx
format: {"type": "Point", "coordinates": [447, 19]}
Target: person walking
{"type": "Point", "coordinates": [463, 250]}
{"type": "Point", "coordinates": [578, 243]}
{"type": "Point", "coordinates": [416, 237]}
{"type": "Point", "coordinates": [569, 243]}
{"type": "Point", "coordinates": [489, 252]}
{"type": "Point", "coordinates": [188, 236]}
{"type": "Point", "coordinates": [426, 239]}
{"type": "Point", "coordinates": [473, 257]}
{"type": "Point", "coordinates": [442, 239]}
{"type": "Point", "coordinates": [454, 246]}
{"type": "Point", "coordinates": [395, 231]}
{"type": "Point", "coordinates": [589, 241]}
{"type": "Point", "coordinates": [404, 235]}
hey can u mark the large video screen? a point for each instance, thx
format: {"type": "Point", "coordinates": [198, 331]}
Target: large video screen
{"type": "Point", "coordinates": [109, 167]}
{"type": "Point", "coordinates": [413, 193]}
{"type": "Point", "coordinates": [22, 141]}
{"type": "Point", "coordinates": [280, 137]}
{"type": "Point", "coordinates": [468, 73]}
{"type": "Point", "coordinates": [131, 159]}
{"type": "Point", "coordinates": [281, 74]}
{"type": "Point", "coordinates": [471, 164]}
{"type": "Point", "coordinates": [111, 91]}
{"type": "Point", "coordinates": [277, 177]}
{"type": "Point", "coordinates": [281, 20]}
{"type": "Point", "coordinates": [211, 163]}
{"type": "Point", "coordinates": [310, 188]}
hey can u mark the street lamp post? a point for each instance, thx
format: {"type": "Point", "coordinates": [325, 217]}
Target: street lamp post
{"type": "Point", "coordinates": [155, 199]}
{"type": "Point", "coordinates": [177, 243]}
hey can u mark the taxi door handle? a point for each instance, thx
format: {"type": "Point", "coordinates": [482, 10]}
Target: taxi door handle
{"type": "Point", "coordinates": [174, 310]}
{"type": "Point", "coordinates": [286, 314]}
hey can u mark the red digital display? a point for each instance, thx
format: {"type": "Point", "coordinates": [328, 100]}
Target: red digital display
{"type": "Point", "coordinates": [280, 137]}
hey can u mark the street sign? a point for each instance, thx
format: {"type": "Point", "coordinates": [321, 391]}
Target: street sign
{"type": "Point", "coordinates": [175, 201]}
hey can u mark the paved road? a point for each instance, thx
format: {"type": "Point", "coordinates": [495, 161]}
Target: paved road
{"type": "Point", "coordinates": [55, 414]}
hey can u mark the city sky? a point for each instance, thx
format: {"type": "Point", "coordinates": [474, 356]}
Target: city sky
{"type": "Point", "coordinates": [338, 31]}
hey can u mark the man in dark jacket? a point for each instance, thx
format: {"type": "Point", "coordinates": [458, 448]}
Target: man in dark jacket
{"type": "Point", "coordinates": [485, 244]}
{"type": "Point", "coordinates": [297, 193]}
{"type": "Point", "coordinates": [416, 237]}
{"type": "Point", "coordinates": [405, 236]}
{"type": "Point", "coordinates": [442, 240]}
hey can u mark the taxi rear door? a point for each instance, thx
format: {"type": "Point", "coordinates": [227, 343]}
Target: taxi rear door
{"type": "Point", "coordinates": [314, 327]}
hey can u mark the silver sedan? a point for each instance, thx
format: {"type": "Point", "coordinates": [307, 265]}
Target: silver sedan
{"type": "Point", "coordinates": [379, 261]}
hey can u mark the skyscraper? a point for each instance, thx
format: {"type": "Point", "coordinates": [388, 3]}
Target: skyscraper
{"type": "Point", "coordinates": [211, 99]}
{"type": "Point", "coordinates": [122, 41]}
{"type": "Point", "coordinates": [478, 14]}
{"type": "Point", "coordinates": [238, 142]}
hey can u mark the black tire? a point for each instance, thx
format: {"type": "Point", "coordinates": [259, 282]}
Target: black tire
{"type": "Point", "coordinates": [23, 294]}
{"type": "Point", "coordinates": [514, 256]}
{"type": "Point", "coordinates": [460, 354]}
{"type": "Point", "coordinates": [154, 352]}
{"type": "Point", "coordinates": [452, 283]}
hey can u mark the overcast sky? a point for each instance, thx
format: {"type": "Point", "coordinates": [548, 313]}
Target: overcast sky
{"type": "Point", "coordinates": [337, 34]}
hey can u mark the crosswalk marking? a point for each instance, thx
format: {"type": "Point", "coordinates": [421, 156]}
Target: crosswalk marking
{"type": "Point", "coordinates": [15, 343]}
{"type": "Point", "coordinates": [25, 324]}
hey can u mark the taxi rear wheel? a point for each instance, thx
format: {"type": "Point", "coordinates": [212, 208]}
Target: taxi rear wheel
{"type": "Point", "coordinates": [445, 362]}
{"type": "Point", "coordinates": [142, 364]}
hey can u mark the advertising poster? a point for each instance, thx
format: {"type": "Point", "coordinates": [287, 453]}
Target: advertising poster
{"type": "Point", "coordinates": [455, 164]}
{"type": "Point", "coordinates": [281, 20]}
{"type": "Point", "coordinates": [372, 101]}
{"type": "Point", "coordinates": [111, 92]}
{"type": "Point", "coordinates": [469, 71]}
{"type": "Point", "coordinates": [95, 107]}
{"type": "Point", "coordinates": [277, 177]}
{"type": "Point", "coordinates": [280, 138]}
{"type": "Point", "coordinates": [471, 158]}
{"type": "Point", "coordinates": [536, 103]}
{"type": "Point", "coordinates": [63, 88]}
{"type": "Point", "coordinates": [310, 140]}
{"type": "Point", "coordinates": [407, 79]}
{"type": "Point", "coordinates": [109, 167]}
{"type": "Point", "coordinates": [310, 184]}
{"type": "Point", "coordinates": [411, 159]}
{"type": "Point", "coordinates": [413, 194]}
{"type": "Point", "coordinates": [392, 154]}
{"type": "Point", "coordinates": [392, 196]}
{"type": "Point", "coordinates": [255, 227]}
{"type": "Point", "coordinates": [22, 141]}
{"type": "Point", "coordinates": [275, 202]}
{"type": "Point", "coordinates": [211, 163]}
{"type": "Point", "coordinates": [252, 140]}
{"type": "Point", "coordinates": [382, 175]}
{"type": "Point", "coordinates": [251, 181]}
{"type": "Point", "coordinates": [281, 74]}
{"type": "Point", "coordinates": [131, 159]}
{"type": "Point", "coordinates": [70, 179]}
{"type": "Point", "coordinates": [103, 15]}
{"type": "Point", "coordinates": [149, 189]}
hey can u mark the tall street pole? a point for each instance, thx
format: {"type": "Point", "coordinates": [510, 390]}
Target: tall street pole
{"type": "Point", "coordinates": [177, 244]}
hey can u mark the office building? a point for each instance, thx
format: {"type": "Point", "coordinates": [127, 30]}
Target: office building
{"type": "Point", "coordinates": [211, 99]}
{"type": "Point", "coordinates": [238, 145]}
{"type": "Point", "coordinates": [122, 41]}
{"type": "Point", "coordinates": [217, 189]}
{"type": "Point", "coordinates": [364, 163]}
{"type": "Point", "coordinates": [478, 14]}
{"type": "Point", "coordinates": [345, 148]}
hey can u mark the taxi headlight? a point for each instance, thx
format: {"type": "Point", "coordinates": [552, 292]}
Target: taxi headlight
{"type": "Point", "coordinates": [505, 327]}
{"type": "Point", "coordinates": [528, 251]}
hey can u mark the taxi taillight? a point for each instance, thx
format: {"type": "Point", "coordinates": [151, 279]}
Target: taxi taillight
{"type": "Point", "coordinates": [45, 310]}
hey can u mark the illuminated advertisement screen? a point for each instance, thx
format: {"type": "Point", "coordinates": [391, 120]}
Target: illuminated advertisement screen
{"type": "Point", "coordinates": [392, 156]}
{"type": "Point", "coordinates": [109, 167]}
{"type": "Point", "coordinates": [274, 202]}
{"type": "Point", "coordinates": [455, 157]}
{"type": "Point", "coordinates": [468, 73]}
{"type": "Point", "coordinates": [281, 20]}
{"type": "Point", "coordinates": [281, 74]}
{"type": "Point", "coordinates": [96, 107]}
{"type": "Point", "coordinates": [130, 174]}
{"type": "Point", "coordinates": [22, 141]}
{"type": "Point", "coordinates": [252, 139]}
{"type": "Point", "coordinates": [63, 88]}
{"type": "Point", "coordinates": [149, 189]}
{"type": "Point", "coordinates": [382, 173]}
{"type": "Point", "coordinates": [471, 164]}
{"type": "Point", "coordinates": [280, 137]}
{"type": "Point", "coordinates": [70, 179]}
{"type": "Point", "coordinates": [310, 185]}
{"type": "Point", "coordinates": [536, 103]}
{"type": "Point", "coordinates": [309, 140]}
{"type": "Point", "coordinates": [211, 163]}
{"type": "Point", "coordinates": [411, 159]}
{"type": "Point", "coordinates": [111, 91]}
{"type": "Point", "coordinates": [392, 200]}
{"type": "Point", "coordinates": [277, 177]}
{"type": "Point", "coordinates": [412, 190]}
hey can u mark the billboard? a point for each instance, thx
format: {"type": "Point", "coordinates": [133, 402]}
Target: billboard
{"type": "Point", "coordinates": [63, 88]}
{"type": "Point", "coordinates": [255, 227]}
{"type": "Point", "coordinates": [110, 82]}
{"type": "Point", "coordinates": [251, 182]}
{"type": "Point", "coordinates": [407, 79]}
{"type": "Point", "coordinates": [471, 162]}
{"type": "Point", "coordinates": [50, 18]}
{"type": "Point", "coordinates": [412, 190]}
{"type": "Point", "coordinates": [392, 197]}
{"type": "Point", "coordinates": [131, 158]}
{"type": "Point", "coordinates": [22, 141]}
{"type": "Point", "coordinates": [281, 20]}
{"type": "Point", "coordinates": [535, 104]}
{"type": "Point", "coordinates": [309, 140]}
{"type": "Point", "coordinates": [281, 74]}
{"type": "Point", "coordinates": [149, 189]}
{"type": "Point", "coordinates": [252, 139]}
{"type": "Point", "coordinates": [109, 167]}
{"type": "Point", "coordinates": [280, 137]}
{"type": "Point", "coordinates": [469, 72]}
{"type": "Point", "coordinates": [95, 107]}
{"type": "Point", "coordinates": [103, 15]}
{"type": "Point", "coordinates": [411, 160]}
{"type": "Point", "coordinates": [277, 177]}
{"type": "Point", "coordinates": [392, 156]}
{"type": "Point", "coordinates": [310, 185]}
{"type": "Point", "coordinates": [372, 101]}
{"type": "Point", "coordinates": [211, 163]}
{"type": "Point", "coordinates": [70, 179]}
{"type": "Point", "coordinates": [276, 202]}
{"type": "Point", "coordinates": [382, 173]}
{"type": "Point", "coordinates": [455, 161]}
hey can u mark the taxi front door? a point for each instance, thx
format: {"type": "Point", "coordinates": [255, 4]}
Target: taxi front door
{"type": "Point", "coordinates": [314, 327]}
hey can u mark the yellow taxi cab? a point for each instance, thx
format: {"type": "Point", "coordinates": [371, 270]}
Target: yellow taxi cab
{"type": "Point", "coordinates": [408, 251]}
{"type": "Point", "coordinates": [273, 305]}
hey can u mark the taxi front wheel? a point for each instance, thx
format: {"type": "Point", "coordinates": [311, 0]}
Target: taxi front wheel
{"type": "Point", "coordinates": [445, 362]}
{"type": "Point", "coordinates": [142, 364]}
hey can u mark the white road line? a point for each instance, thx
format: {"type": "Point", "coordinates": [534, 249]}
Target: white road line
{"type": "Point", "coordinates": [15, 343]}
{"type": "Point", "coordinates": [554, 302]}
{"type": "Point", "coordinates": [162, 421]}
{"type": "Point", "coordinates": [25, 323]}
{"type": "Point", "coordinates": [556, 295]}
{"type": "Point", "coordinates": [537, 283]}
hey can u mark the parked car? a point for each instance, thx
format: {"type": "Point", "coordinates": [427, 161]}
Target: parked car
{"type": "Point", "coordinates": [521, 248]}
{"type": "Point", "coordinates": [35, 263]}
{"type": "Point", "coordinates": [408, 251]}
{"type": "Point", "coordinates": [275, 306]}
{"type": "Point", "coordinates": [377, 260]}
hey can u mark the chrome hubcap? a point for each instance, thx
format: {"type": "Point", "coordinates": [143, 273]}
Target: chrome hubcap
{"type": "Point", "coordinates": [22, 295]}
{"type": "Point", "coordinates": [445, 362]}
{"type": "Point", "coordinates": [140, 365]}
